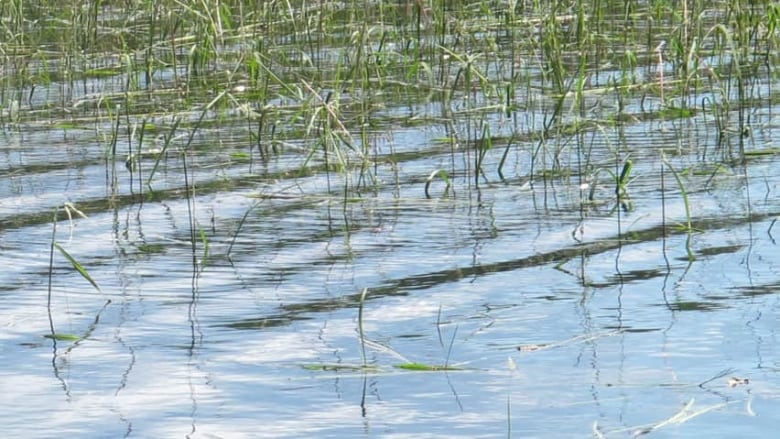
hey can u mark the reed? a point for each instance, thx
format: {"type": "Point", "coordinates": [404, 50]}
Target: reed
{"type": "Point", "coordinates": [686, 202]}
{"type": "Point", "coordinates": [477, 103]}
{"type": "Point", "coordinates": [361, 332]}
{"type": "Point", "coordinates": [277, 64]}
{"type": "Point", "coordinates": [69, 210]}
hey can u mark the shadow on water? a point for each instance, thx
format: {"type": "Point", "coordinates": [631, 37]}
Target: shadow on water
{"type": "Point", "coordinates": [402, 287]}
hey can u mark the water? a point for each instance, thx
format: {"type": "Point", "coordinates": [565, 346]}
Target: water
{"type": "Point", "coordinates": [235, 311]}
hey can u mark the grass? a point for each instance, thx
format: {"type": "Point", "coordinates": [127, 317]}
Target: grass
{"type": "Point", "coordinates": [69, 210]}
{"type": "Point", "coordinates": [233, 96]}
{"type": "Point", "coordinates": [688, 227]}
{"type": "Point", "coordinates": [224, 48]}
{"type": "Point", "coordinates": [365, 342]}
{"type": "Point", "coordinates": [329, 79]}
{"type": "Point", "coordinates": [527, 91]}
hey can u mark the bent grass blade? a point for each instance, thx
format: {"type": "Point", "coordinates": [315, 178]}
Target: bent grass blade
{"type": "Point", "coordinates": [580, 338]}
{"type": "Point", "coordinates": [77, 266]}
{"type": "Point", "coordinates": [442, 174]}
{"type": "Point", "coordinates": [685, 414]}
{"type": "Point", "coordinates": [62, 337]}
{"type": "Point", "coordinates": [423, 367]}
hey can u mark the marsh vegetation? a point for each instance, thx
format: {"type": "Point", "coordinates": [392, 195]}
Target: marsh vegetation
{"type": "Point", "coordinates": [450, 217]}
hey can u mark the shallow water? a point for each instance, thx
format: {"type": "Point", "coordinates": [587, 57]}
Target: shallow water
{"type": "Point", "coordinates": [234, 312]}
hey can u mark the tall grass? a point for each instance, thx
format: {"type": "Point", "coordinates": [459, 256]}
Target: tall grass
{"type": "Point", "coordinates": [532, 82]}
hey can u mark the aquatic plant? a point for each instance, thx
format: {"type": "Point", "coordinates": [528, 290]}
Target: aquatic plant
{"type": "Point", "coordinates": [293, 105]}
{"type": "Point", "coordinates": [688, 216]}
{"type": "Point", "coordinates": [69, 209]}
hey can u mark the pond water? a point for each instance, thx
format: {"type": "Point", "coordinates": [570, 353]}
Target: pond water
{"type": "Point", "coordinates": [379, 289]}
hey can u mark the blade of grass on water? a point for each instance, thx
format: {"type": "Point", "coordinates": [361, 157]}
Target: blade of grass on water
{"type": "Point", "coordinates": [80, 268]}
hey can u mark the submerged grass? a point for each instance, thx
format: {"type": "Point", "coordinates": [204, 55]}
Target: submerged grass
{"type": "Point", "coordinates": [543, 94]}
{"type": "Point", "coordinates": [70, 210]}
{"type": "Point", "coordinates": [688, 228]}
{"type": "Point", "coordinates": [535, 92]}
{"type": "Point", "coordinates": [166, 86]}
{"type": "Point", "coordinates": [405, 364]}
{"type": "Point", "coordinates": [326, 74]}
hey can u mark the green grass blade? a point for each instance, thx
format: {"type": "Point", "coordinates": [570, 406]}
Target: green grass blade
{"type": "Point", "coordinates": [63, 337]}
{"type": "Point", "coordinates": [80, 268]}
{"type": "Point", "coordinates": [422, 367]}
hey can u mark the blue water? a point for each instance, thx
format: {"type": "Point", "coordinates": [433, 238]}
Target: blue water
{"type": "Point", "coordinates": [234, 311]}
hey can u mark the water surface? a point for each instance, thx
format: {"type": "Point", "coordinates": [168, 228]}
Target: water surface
{"type": "Point", "coordinates": [230, 278]}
